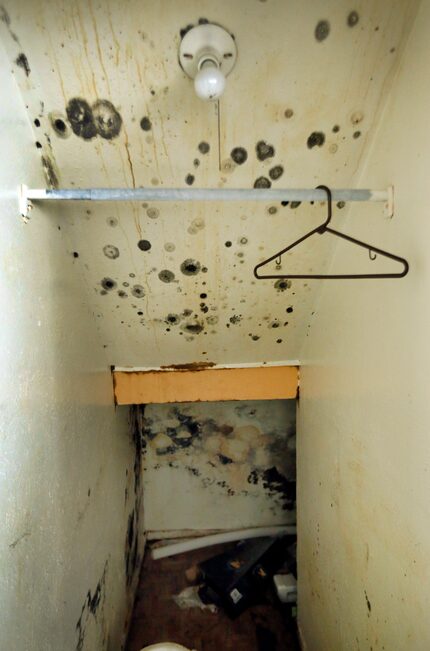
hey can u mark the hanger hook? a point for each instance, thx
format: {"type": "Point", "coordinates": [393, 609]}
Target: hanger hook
{"type": "Point", "coordinates": [372, 257]}
{"type": "Point", "coordinates": [329, 206]}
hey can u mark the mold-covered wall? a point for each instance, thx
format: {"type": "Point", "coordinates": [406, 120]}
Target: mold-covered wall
{"type": "Point", "coordinates": [219, 465]}
{"type": "Point", "coordinates": [70, 487]}
{"type": "Point", "coordinates": [172, 283]}
{"type": "Point", "coordinates": [364, 416]}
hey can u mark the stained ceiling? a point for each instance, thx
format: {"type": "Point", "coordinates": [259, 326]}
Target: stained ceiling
{"type": "Point", "coordinates": [109, 105]}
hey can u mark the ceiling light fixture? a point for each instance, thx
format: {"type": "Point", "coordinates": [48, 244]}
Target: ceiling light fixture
{"type": "Point", "coordinates": [207, 54]}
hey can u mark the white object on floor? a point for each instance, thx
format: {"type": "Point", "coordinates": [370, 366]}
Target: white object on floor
{"type": "Point", "coordinates": [286, 587]}
{"type": "Point", "coordinates": [189, 598]}
{"type": "Point", "coordinates": [165, 646]}
{"type": "Point", "coordinates": [218, 538]}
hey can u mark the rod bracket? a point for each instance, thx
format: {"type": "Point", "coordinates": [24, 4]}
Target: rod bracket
{"type": "Point", "coordinates": [25, 205]}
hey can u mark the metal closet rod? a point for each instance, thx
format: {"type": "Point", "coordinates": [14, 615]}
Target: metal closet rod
{"type": "Point", "coordinates": [27, 195]}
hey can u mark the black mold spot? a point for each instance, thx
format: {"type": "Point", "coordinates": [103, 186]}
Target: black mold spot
{"type": "Point", "coordinates": [92, 602]}
{"type": "Point", "coordinates": [187, 312]}
{"type": "Point", "coordinates": [144, 245]}
{"type": "Point", "coordinates": [272, 210]}
{"type": "Point", "coordinates": [255, 337]}
{"type": "Point", "coordinates": [38, 145]}
{"type": "Point", "coordinates": [50, 174]}
{"type": "Point", "coordinates": [138, 291]}
{"type": "Point", "coordinates": [166, 276]}
{"type": "Point", "coordinates": [356, 134]}
{"type": "Point", "coordinates": [59, 126]}
{"type": "Point", "coordinates": [81, 118]}
{"type": "Point", "coordinates": [190, 267]}
{"type": "Point", "coordinates": [22, 62]}
{"type": "Point", "coordinates": [37, 122]}
{"type": "Point", "coordinates": [340, 204]}
{"type": "Point", "coordinates": [264, 150]}
{"type": "Point", "coordinates": [236, 318]}
{"type": "Point", "coordinates": [279, 341]}
{"type": "Point", "coordinates": [203, 295]}
{"type": "Point", "coordinates": [145, 124]}
{"type": "Point", "coordinates": [262, 183]}
{"type": "Point", "coordinates": [239, 155]}
{"type": "Point", "coordinates": [189, 179]}
{"type": "Point", "coordinates": [227, 244]}
{"type": "Point", "coordinates": [322, 30]}
{"type": "Point", "coordinates": [276, 172]}
{"type": "Point", "coordinates": [122, 294]}
{"type": "Point", "coordinates": [336, 128]}
{"type": "Point", "coordinates": [289, 113]}
{"type": "Point", "coordinates": [185, 30]}
{"type": "Point", "coordinates": [173, 319]}
{"type": "Point", "coordinates": [352, 19]}
{"type": "Point", "coordinates": [107, 120]}
{"type": "Point", "coordinates": [368, 604]}
{"type": "Point", "coordinates": [108, 283]}
{"type": "Point", "coordinates": [224, 460]}
{"type": "Point", "coordinates": [75, 254]}
{"type": "Point", "coordinates": [194, 328]}
{"type": "Point", "coordinates": [111, 251]}
{"type": "Point", "coordinates": [204, 147]}
{"type": "Point", "coordinates": [290, 309]}
{"type": "Point", "coordinates": [282, 284]}
{"type": "Point", "coordinates": [243, 240]}
{"type": "Point", "coordinates": [276, 484]}
{"type": "Point", "coordinates": [316, 139]}
{"type": "Point", "coordinates": [112, 221]}
{"type": "Point", "coordinates": [295, 204]}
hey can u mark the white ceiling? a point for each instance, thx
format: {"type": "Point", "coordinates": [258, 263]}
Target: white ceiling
{"type": "Point", "coordinates": [120, 61]}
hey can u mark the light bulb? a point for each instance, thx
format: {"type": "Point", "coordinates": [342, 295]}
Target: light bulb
{"type": "Point", "coordinates": [209, 83]}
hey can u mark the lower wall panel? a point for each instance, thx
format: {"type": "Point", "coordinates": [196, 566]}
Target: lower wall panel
{"type": "Point", "coordinates": [222, 465]}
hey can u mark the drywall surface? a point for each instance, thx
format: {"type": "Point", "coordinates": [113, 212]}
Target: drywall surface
{"type": "Point", "coordinates": [364, 415]}
{"type": "Point", "coordinates": [219, 465]}
{"type": "Point", "coordinates": [69, 482]}
{"type": "Point", "coordinates": [173, 283]}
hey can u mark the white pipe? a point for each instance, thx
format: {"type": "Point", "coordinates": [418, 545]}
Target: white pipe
{"type": "Point", "coordinates": [218, 538]}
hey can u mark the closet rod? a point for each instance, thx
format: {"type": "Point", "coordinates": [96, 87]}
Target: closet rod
{"type": "Point", "coordinates": [27, 195]}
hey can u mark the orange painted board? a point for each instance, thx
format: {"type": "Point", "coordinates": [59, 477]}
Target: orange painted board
{"type": "Point", "coordinates": [259, 383]}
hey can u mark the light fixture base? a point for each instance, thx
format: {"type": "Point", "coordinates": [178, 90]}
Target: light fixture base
{"type": "Point", "coordinates": [211, 41]}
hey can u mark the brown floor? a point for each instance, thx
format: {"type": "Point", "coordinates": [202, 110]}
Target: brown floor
{"type": "Point", "coordinates": [156, 617]}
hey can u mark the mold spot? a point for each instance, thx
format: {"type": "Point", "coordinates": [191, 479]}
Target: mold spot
{"type": "Point", "coordinates": [185, 30]}
{"type": "Point", "coordinates": [276, 172]}
{"type": "Point", "coordinates": [336, 128]}
{"type": "Point", "coordinates": [236, 318]}
{"type": "Point", "coordinates": [295, 204]}
{"type": "Point", "coordinates": [112, 221]}
{"type": "Point", "coordinates": [37, 122]}
{"type": "Point", "coordinates": [190, 267]}
{"type": "Point", "coordinates": [50, 173]}
{"type": "Point", "coordinates": [173, 319]}
{"type": "Point", "coordinates": [289, 113]}
{"type": "Point", "coordinates": [357, 117]}
{"type": "Point", "coordinates": [255, 337]}
{"type": "Point", "coordinates": [203, 295]}
{"type": "Point", "coordinates": [352, 19]}
{"type": "Point", "coordinates": [111, 251]}
{"type": "Point", "coordinates": [166, 276]}
{"type": "Point", "coordinates": [108, 284]}
{"type": "Point", "coordinates": [196, 225]}
{"type": "Point", "coordinates": [189, 179]}
{"type": "Point", "coordinates": [138, 291]}
{"type": "Point", "coordinates": [145, 124]}
{"type": "Point", "coordinates": [107, 120]}
{"type": "Point", "coordinates": [264, 150]}
{"type": "Point", "coordinates": [81, 118]}
{"type": "Point", "coordinates": [368, 604]}
{"type": "Point", "coordinates": [152, 213]}
{"type": "Point", "coordinates": [228, 244]}
{"type": "Point", "coordinates": [279, 341]}
{"type": "Point", "coordinates": [194, 328]}
{"type": "Point", "coordinates": [340, 204]}
{"type": "Point", "coordinates": [356, 134]}
{"type": "Point", "coordinates": [38, 145]}
{"type": "Point", "coordinates": [316, 139]}
{"type": "Point", "coordinates": [272, 210]}
{"type": "Point", "coordinates": [322, 30]}
{"type": "Point", "coordinates": [169, 246]}
{"type": "Point", "coordinates": [144, 245]}
{"type": "Point", "coordinates": [239, 155]}
{"type": "Point", "coordinates": [212, 320]}
{"type": "Point", "coordinates": [204, 147]}
{"type": "Point", "coordinates": [224, 460]}
{"type": "Point", "coordinates": [282, 284]}
{"type": "Point", "coordinates": [243, 240]}
{"type": "Point", "coordinates": [290, 309]}
{"type": "Point", "coordinates": [75, 254]}
{"type": "Point", "coordinates": [122, 294]}
{"type": "Point", "coordinates": [262, 183]}
{"type": "Point", "coordinates": [22, 62]}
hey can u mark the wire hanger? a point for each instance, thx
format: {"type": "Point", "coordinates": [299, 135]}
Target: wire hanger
{"type": "Point", "coordinates": [324, 228]}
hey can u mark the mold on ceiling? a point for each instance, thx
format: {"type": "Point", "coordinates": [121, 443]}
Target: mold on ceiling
{"type": "Point", "coordinates": [172, 283]}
